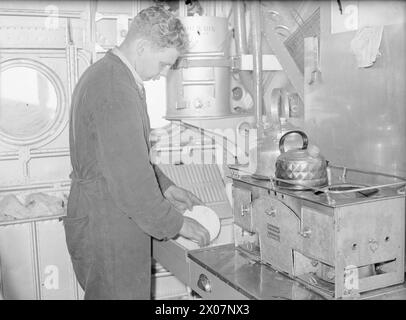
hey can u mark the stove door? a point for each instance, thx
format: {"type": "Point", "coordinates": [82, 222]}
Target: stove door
{"type": "Point", "coordinates": [278, 227]}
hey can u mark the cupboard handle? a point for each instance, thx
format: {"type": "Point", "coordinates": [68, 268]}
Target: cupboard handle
{"type": "Point", "coordinates": [204, 283]}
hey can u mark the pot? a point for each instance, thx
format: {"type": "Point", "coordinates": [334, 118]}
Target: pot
{"type": "Point", "coordinates": [306, 168]}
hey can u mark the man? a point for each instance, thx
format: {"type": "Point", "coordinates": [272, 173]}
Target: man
{"type": "Point", "coordinates": [118, 199]}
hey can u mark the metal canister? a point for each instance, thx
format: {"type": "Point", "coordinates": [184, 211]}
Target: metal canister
{"type": "Point", "coordinates": [199, 86]}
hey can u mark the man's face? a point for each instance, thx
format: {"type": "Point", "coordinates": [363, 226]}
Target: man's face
{"type": "Point", "coordinates": [155, 62]}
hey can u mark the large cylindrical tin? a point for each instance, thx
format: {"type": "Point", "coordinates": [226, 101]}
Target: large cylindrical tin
{"type": "Point", "coordinates": [200, 86]}
{"type": "Point", "coordinates": [207, 34]}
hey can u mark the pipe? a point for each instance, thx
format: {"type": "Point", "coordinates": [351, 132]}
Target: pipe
{"type": "Point", "coordinates": [257, 59]}
{"type": "Point", "coordinates": [241, 43]}
{"type": "Point", "coordinates": [251, 82]}
{"type": "Point", "coordinates": [239, 20]}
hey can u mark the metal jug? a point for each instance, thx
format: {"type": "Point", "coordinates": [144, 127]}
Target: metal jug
{"type": "Point", "coordinates": [300, 167]}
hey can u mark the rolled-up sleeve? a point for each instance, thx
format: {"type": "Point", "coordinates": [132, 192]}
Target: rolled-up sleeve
{"type": "Point", "coordinates": [131, 178]}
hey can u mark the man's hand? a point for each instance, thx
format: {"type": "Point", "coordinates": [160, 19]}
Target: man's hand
{"type": "Point", "coordinates": [181, 199]}
{"type": "Point", "coordinates": [193, 230]}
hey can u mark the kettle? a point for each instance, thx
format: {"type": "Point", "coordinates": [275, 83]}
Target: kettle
{"type": "Point", "coordinates": [301, 168]}
{"type": "Point", "coordinates": [268, 149]}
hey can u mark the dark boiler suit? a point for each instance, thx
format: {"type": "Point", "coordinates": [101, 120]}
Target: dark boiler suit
{"type": "Point", "coordinates": [116, 201]}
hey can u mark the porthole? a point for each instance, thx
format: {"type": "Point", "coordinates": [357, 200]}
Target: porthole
{"type": "Point", "coordinates": [32, 103]}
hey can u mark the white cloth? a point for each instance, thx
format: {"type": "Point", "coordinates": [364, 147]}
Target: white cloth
{"type": "Point", "coordinates": [366, 44]}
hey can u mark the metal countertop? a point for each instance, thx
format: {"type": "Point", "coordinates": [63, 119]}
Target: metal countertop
{"type": "Point", "coordinates": [260, 282]}
{"type": "Point", "coordinates": [251, 278]}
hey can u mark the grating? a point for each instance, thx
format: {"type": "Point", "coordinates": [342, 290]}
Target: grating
{"type": "Point", "coordinates": [203, 180]}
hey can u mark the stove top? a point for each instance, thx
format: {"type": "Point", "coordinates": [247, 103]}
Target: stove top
{"type": "Point", "coordinates": [346, 186]}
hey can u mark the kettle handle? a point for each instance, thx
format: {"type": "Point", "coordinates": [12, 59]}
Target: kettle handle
{"type": "Point", "coordinates": [302, 134]}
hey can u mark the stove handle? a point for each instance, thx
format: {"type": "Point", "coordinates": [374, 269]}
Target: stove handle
{"type": "Point", "coordinates": [305, 232]}
{"type": "Point", "coordinates": [245, 209]}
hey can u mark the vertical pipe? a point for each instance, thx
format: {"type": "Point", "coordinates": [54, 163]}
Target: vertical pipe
{"type": "Point", "coordinates": [91, 15]}
{"type": "Point", "coordinates": [241, 43]}
{"type": "Point", "coordinates": [36, 259]}
{"type": "Point", "coordinates": [257, 58]}
{"type": "Point", "coordinates": [240, 32]}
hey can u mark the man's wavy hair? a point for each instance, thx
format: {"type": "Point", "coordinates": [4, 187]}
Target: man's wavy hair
{"type": "Point", "coordinates": [161, 27]}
